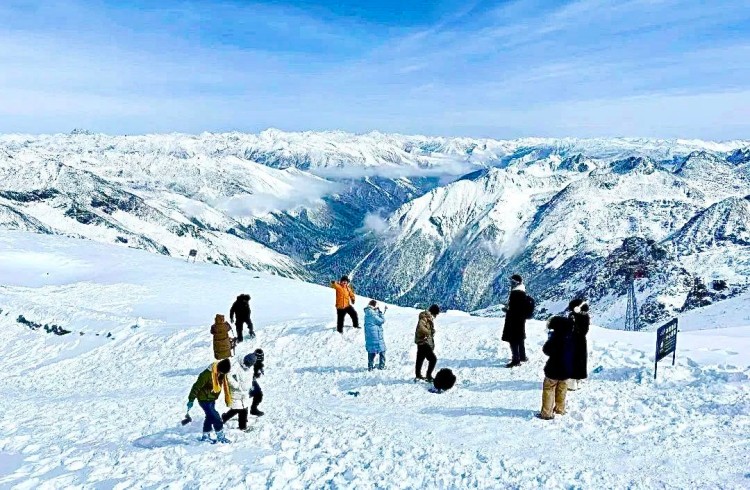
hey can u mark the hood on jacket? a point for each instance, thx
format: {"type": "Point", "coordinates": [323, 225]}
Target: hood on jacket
{"type": "Point", "coordinates": [219, 320]}
{"type": "Point", "coordinates": [426, 314]}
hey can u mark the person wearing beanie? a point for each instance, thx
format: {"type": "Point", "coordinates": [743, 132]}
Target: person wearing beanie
{"type": "Point", "coordinates": [424, 338]}
{"type": "Point", "coordinates": [256, 393]}
{"type": "Point", "coordinates": [559, 367]}
{"type": "Point", "coordinates": [206, 390]}
{"type": "Point", "coordinates": [239, 314]}
{"type": "Point", "coordinates": [516, 313]}
{"type": "Point", "coordinates": [344, 303]}
{"type": "Point", "coordinates": [579, 314]}
{"type": "Point", "coordinates": [374, 339]}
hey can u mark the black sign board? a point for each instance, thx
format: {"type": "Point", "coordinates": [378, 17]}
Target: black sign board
{"type": "Point", "coordinates": [666, 343]}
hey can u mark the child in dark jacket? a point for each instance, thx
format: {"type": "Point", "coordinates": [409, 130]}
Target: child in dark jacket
{"type": "Point", "coordinates": [560, 349]}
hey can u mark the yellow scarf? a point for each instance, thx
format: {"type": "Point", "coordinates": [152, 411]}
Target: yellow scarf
{"type": "Point", "coordinates": [225, 383]}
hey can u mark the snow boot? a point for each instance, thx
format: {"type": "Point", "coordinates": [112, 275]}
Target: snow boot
{"type": "Point", "coordinates": [206, 437]}
{"type": "Point", "coordinates": [513, 364]}
{"type": "Point", "coordinates": [256, 412]}
{"type": "Point", "coordinates": [220, 437]}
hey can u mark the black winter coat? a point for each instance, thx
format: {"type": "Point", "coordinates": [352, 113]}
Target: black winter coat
{"type": "Point", "coordinates": [515, 318]}
{"type": "Point", "coordinates": [581, 323]}
{"type": "Point", "coordinates": [560, 349]}
{"type": "Point", "coordinates": [240, 310]}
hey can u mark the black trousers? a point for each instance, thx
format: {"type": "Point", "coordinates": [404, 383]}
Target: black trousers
{"type": "Point", "coordinates": [242, 412]}
{"type": "Point", "coordinates": [518, 351]}
{"type": "Point", "coordinates": [424, 351]}
{"type": "Point", "coordinates": [341, 314]}
{"type": "Point", "coordinates": [239, 325]}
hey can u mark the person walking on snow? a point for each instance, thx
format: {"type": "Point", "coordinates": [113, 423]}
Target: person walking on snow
{"type": "Point", "coordinates": [223, 342]}
{"type": "Point", "coordinates": [579, 313]}
{"type": "Point", "coordinates": [559, 347]}
{"type": "Point", "coordinates": [344, 300]}
{"type": "Point", "coordinates": [239, 314]}
{"type": "Point", "coordinates": [424, 338]}
{"type": "Point", "coordinates": [374, 340]}
{"type": "Point", "coordinates": [206, 390]}
{"type": "Point", "coordinates": [243, 390]}
{"type": "Point", "coordinates": [516, 312]}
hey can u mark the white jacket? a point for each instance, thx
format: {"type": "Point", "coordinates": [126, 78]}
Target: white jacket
{"type": "Point", "coordinates": [240, 382]}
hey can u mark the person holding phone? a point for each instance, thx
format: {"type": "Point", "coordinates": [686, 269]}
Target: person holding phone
{"type": "Point", "coordinates": [374, 340]}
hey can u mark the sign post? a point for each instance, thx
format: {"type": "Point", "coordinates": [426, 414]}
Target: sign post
{"type": "Point", "coordinates": [666, 343]}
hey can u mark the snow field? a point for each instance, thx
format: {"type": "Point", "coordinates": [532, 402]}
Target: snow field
{"type": "Point", "coordinates": [90, 412]}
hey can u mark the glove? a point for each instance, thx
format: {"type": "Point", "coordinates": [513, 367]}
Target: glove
{"type": "Point", "coordinates": [189, 405]}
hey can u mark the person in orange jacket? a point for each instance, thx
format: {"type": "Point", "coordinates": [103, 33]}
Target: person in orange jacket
{"type": "Point", "coordinates": [344, 300]}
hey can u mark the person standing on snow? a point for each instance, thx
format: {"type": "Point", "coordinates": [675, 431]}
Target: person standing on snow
{"type": "Point", "coordinates": [206, 390]}
{"type": "Point", "coordinates": [374, 340]}
{"type": "Point", "coordinates": [223, 342]}
{"type": "Point", "coordinates": [243, 390]}
{"type": "Point", "coordinates": [559, 347]}
{"type": "Point", "coordinates": [579, 313]}
{"type": "Point", "coordinates": [424, 338]}
{"type": "Point", "coordinates": [344, 300]}
{"type": "Point", "coordinates": [516, 313]}
{"type": "Point", "coordinates": [239, 314]}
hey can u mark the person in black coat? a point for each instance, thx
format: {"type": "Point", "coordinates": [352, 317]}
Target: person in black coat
{"type": "Point", "coordinates": [579, 313]}
{"type": "Point", "coordinates": [240, 314]}
{"type": "Point", "coordinates": [560, 349]}
{"type": "Point", "coordinates": [514, 330]}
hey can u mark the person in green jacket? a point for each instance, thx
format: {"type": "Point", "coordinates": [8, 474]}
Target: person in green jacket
{"type": "Point", "coordinates": [206, 390]}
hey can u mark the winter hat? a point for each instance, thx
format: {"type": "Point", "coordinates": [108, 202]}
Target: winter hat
{"type": "Point", "coordinates": [583, 308]}
{"type": "Point", "coordinates": [249, 360]}
{"type": "Point", "coordinates": [224, 366]}
{"type": "Point", "coordinates": [575, 304]}
{"type": "Point", "coordinates": [344, 278]}
{"type": "Point", "coordinates": [516, 279]}
{"type": "Point", "coordinates": [259, 355]}
{"type": "Point", "coordinates": [434, 310]}
{"type": "Point", "coordinates": [373, 303]}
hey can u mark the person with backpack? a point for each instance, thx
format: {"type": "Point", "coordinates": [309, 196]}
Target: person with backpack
{"type": "Point", "coordinates": [239, 314]}
{"type": "Point", "coordinates": [344, 303]}
{"type": "Point", "coordinates": [520, 307]}
{"type": "Point", "coordinates": [424, 337]}
{"type": "Point", "coordinates": [579, 314]}
{"type": "Point", "coordinates": [223, 342]}
{"type": "Point", "coordinates": [374, 341]}
{"type": "Point", "coordinates": [559, 368]}
{"type": "Point", "coordinates": [206, 390]}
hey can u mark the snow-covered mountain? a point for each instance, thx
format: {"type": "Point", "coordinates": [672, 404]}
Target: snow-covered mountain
{"type": "Point", "coordinates": [565, 232]}
{"type": "Point", "coordinates": [100, 406]}
{"type": "Point", "coordinates": [416, 219]}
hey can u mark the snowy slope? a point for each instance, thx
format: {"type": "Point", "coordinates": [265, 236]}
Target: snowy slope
{"type": "Point", "coordinates": [97, 412]}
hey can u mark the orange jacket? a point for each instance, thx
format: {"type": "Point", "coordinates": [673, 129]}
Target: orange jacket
{"type": "Point", "coordinates": [344, 295]}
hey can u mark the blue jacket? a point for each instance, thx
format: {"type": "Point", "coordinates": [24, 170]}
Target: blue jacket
{"type": "Point", "coordinates": [374, 340]}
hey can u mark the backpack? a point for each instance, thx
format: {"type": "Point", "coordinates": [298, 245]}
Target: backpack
{"type": "Point", "coordinates": [444, 380]}
{"type": "Point", "coordinates": [530, 306]}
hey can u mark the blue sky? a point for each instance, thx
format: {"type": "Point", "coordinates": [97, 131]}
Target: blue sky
{"type": "Point", "coordinates": [503, 69]}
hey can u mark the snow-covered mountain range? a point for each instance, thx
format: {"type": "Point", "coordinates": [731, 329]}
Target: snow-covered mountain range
{"type": "Point", "coordinates": [414, 219]}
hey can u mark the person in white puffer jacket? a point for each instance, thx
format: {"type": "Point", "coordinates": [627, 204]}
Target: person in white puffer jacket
{"type": "Point", "coordinates": [240, 384]}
